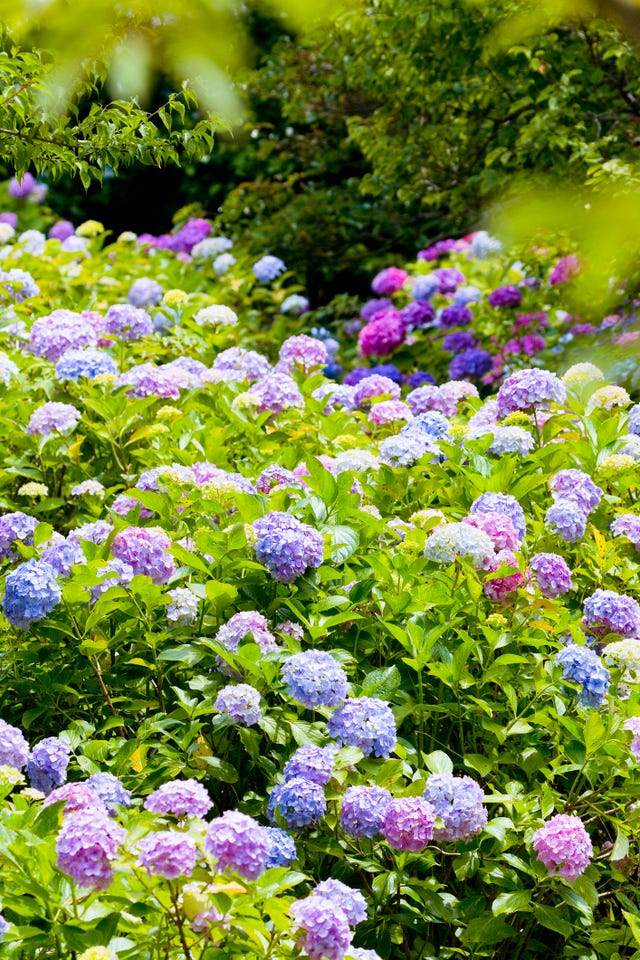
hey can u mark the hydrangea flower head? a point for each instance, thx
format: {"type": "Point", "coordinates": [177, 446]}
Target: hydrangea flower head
{"type": "Point", "coordinates": [110, 790]}
{"type": "Point", "coordinates": [240, 702]}
{"type": "Point", "coordinates": [181, 798]}
{"type": "Point", "coordinates": [238, 842]}
{"type": "Point", "coordinates": [324, 928]}
{"type": "Point", "coordinates": [302, 352]}
{"type": "Point", "coordinates": [167, 853]}
{"type": "Point", "coordinates": [455, 315]}
{"type": "Point", "coordinates": [606, 611]}
{"type": "Point", "coordinates": [508, 296]}
{"type": "Point", "coordinates": [53, 417]}
{"type": "Point", "coordinates": [382, 335]}
{"type": "Point", "coordinates": [300, 802]}
{"type": "Point", "coordinates": [576, 487]}
{"type": "Point", "coordinates": [282, 848]}
{"type": "Point", "coordinates": [633, 725]}
{"type": "Point", "coordinates": [47, 764]}
{"type": "Point", "coordinates": [552, 575]}
{"type": "Point", "coordinates": [145, 550]}
{"type": "Point", "coordinates": [31, 592]}
{"type": "Point", "coordinates": [458, 802]}
{"type": "Point", "coordinates": [14, 749]}
{"type": "Point", "coordinates": [563, 846]}
{"type": "Point", "coordinates": [127, 322]}
{"type": "Point", "coordinates": [363, 811]}
{"type": "Point", "coordinates": [145, 292]}
{"type": "Point", "coordinates": [88, 363]}
{"type": "Point", "coordinates": [409, 823]}
{"type": "Point", "coordinates": [498, 526]}
{"type": "Point", "coordinates": [502, 503]}
{"type": "Point", "coordinates": [15, 526]}
{"type": "Point", "coordinates": [389, 281]}
{"type": "Point", "coordinates": [267, 268]}
{"type": "Point", "coordinates": [315, 679]}
{"type": "Point", "coordinates": [243, 624]}
{"type": "Point", "coordinates": [286, 546]}
{"type": "Point", "coordinates": [567, 520]}
{"type": "Point", "coordinates": [273, 394]}
{"type": "Point", "coordinates": [295, 304]}
{"type": "Point", "coordinates": [584, 666]}
{"type": "Point", "coordinates": [526, 389]}
{"type": "Point", "coordinates": [366, 723]}
{"type": "Point", "coordinates": [311, 763]}
{"type": "Point", "coordinates": [350, 901]}
{"type": "Point", "coordinates": [511, 440]}
{"type": "Point", "coordinates": [183, 609]}
{"type": "Point", "coordinates": [86, 845]}
{"type": "Point", "coordinates": [452, 541]}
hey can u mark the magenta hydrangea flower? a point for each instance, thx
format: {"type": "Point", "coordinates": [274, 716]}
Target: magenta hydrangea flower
{"type": "Point", "coordinates": [409, 823]}
{"type": "Point", "coordinates": [382, 335]}
{"type": "Point", "coordinates": [238, 842]}
{"type": "Point", "coordinates": [145, 550]}
{"type": "Point", "coordinates": [565, 269]}
{"type": "Point", "coordinates": [87, 844]}
{"type": "Point", "coordinates": [501, 588]}
{"type": "Point", "coordinates": [563, 846]}
{"type": "Point", "coordinates": [526, 389]}
{"type": "Point", "coordinates": [389, 281]}
{"type": "Point", "coordinates": [325, 933]}
{"type": "Point", "coordinates": [168, 854]}
{"type": "Point", "coordinates": [182, 798]}
{"type": "Point", "coordinates": [52, 417]}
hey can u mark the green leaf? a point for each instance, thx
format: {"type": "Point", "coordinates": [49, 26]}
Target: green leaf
{"type": "Point", "coordinates": [485, 931]}
{"type": "Point", "coordinates": [552, 919]}
{"type": "Point", "coordinates": [511, 902]}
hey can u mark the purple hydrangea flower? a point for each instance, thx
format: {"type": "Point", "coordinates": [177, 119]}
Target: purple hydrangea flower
{"type": "Point", "coordinates": [86, 845]}
{"type": "Point", "coordinates": [525, 389]}
{"type": "Point", "coordinates": [409, 823]}
{"type": "Point", "coordinates": [508, 296]}
{"type": "Point", "coordinates": [239, 843]}
{"type": "Point", "coordinates": [274, 393]}
{"type": "Point", "coordinates": [96, 532]}
{"type": "Point", "coordinates": [14, 749]}
{"type": "Point", "coordinates": [325, 933]}
{"type": "Point", "coordinates": [145, 550]}
{"type": "Point", "coordinates": [350, 901]}
{"type": "Point", "coordinates": [625, 525]}
{"type": "Point", "coordinates": [302, 352]}
{"type": "Point", "coordinates": [127, 322]}
{"type": "Point", "coordinates": [371, 307]}
{"type": "Point", "coordinates": [458, 802]}
{"type": "Point", "coordinates": [566, 519]}
{"type": "Point", "coordinates": [552, 574]}
{"type": "Point", "coordinates": [583, 665]}
{"type": "Point", "coordinates": [88, 363]}
{"type": "Point", "coordinates": [110, 790]}
{"type": "Point", "coordinates": [374, 386]}
{"type": "Point", "coordinates": [61, 230]}
{"type": "Point", "coordinates": [363, 811]}
{"type": "Point", "coordinates": [366, 723]}
{"type": "Point", "coordinates": [455, 316]}
{"type": "Point", "coordinates": [608, 612]}
{"type": "Point", "coordinates": [147, 380]}
{"type": "Point", "coordinates": [115, 573]}
{"type": "Point", "coordinates": [282, 848]}
{"type": "Point", "coordinates": [425, 287]}
{"type": "Point", "coordinates": [286, 546]}
{"type": "Point", "coordinates": [563, 846]}
{"type": "Point", "coordinates": [144, 292]}
{"type": "Point", "coordinates": [299, 802]}
{"type": "Point", "coordinates": [576, 487]}
{"type": "Point", "coordinates": [168, 854]}
{"type": "Point", "coordinates": [237, 363]}
{"type": "Point", "coordinates": [471, 364]}
{"type": "Point", "coordinates": [52, 417]}
{"type": "Point", "coordinates": [240, 702]}
{"type": "Point", "coordinates": [315, 679]}
{"type": "Point", "coordinates": [59, 331]}
{"type": "Point", "coordinates": [20, 189]}
{"type": "Point", "coordinates": [62, 554]}
{"type": "Point", "coordinates": [191, 233]}
{"type": "Point", "coordinates": [182, 798]}
{"type": "Point", "coordinates": [31, 592]}
{"type": "Point", "coordinates": [47, 764]}
{"type": "Point", "coordinates": [15, 526]}
{"type": "Point", "coordinates": [267, 268]}
{"type": "Point", "coordinates": [311, 763]}
{"type": "Point", "coordinates": [389, 281]}
{"type": "Point", "coordinates": [418, 313]}
{"type": "Point", "coordinates": [17, 285]}
{"type": "Point", "coordinates": [449, 279]}
{"type": "Point", "coordinates": [459, 341]}
{"type": "Point", "coordinates": [502, 503]}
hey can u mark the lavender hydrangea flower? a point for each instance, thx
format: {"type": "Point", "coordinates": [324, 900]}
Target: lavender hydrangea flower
{"type": "Point", "coordinates": [350, 901]}
{"type": "Point", "coordinates": [52, 417]}
{"type": "Point", "coordinates": [145, 550]}
{"type": "Point", "coordinates": [110, 790]}
{"type": "Point", "coordinates": [115, 573]}
{"type": "Point", "coordinates": [303, 352]}
{"type": "Point", "coordinates": [147, 380]}
{"type": "Point", "coordinates": [286, 546]}
{"type": "Point", "coordinates": [300, 802]}
{"type": "Point", "coordinates": [47, 764]}
{"type": "Point", "coordinates": [508, 296]}
{"type": "Point", "coordinates": [168, 854]}
{"type": "Point", "coordinates": [15, 526]}
{"type": "Point", "coordinates": [183, 609]}
{"type": "Point", "coordinates": [61, 554]}
{"type": "Point", "coordinates": [311, 763]}
{"type": "Point", "coordinates": [59, 331]}
{"type": "Point", "coordinates": [239, 364]}
{"type": "Point", "coordinates": [145, 292]}
{"type": "Point", "coordinates": [466, 295]}
{"type": "Point", "coordinates": [274, 393]}
{"type": "Point", "coordinates": [502, 503]}
{"type": "Point", "coordinates": [511, 440]}
{"type": "Point", "coordinates": [566, 519]}
{"type": "Point", "coordinates": [88, 363]}
{"type": "Point", "coordinates": [584, 666]}
{"type": "Point", "coordinates": [325, 933]}
{"type": "Point", "coordinates": [625, 525]}
{"type": "Point", "coordinates": [606, 611]}
{"type": "Point", "coordinates": [181, 798]}
{"type": "Point", "coordinates": [418, 314]}
{"type": "Point", "coordinates": [127, 322]}
{"type": "Point", "coordinates": [563, 846]}
{"type": "Point", "coordinates": [21, 188]}
{"type": "Point", "coordinates": [96, 532]}
{"type": "Point", "coordinates": [366, 723]}
{"type": "Point", "coordinates": [31, 592]}
{"type": "Point", "coordinates": [525, 389]}
{"type": "Point", "coordinates": [86, 845]}
{"type": "Point", "coordinates": [633, 725]}
{"type": "Point", "coordinates": [267, 268]}
{"type": "Point", "coordinates": [406, 448]}
{"type": "Point", "coordinates": [18, 285]}
{"type": "Point", "coordinates": [282, 848]}
{"type": "Point", "coordinates": [363, 811]}
{"type": "Point", "coordinates": [243, 624]}
{"type": "Point", "coordinates": [315, 679]}
{"type": "Point", "coordinates": [483, 245]}
{"type": "Point", "coordinates": [452, 541]}
{"type": "Point", "coordinates": [458, 802]}
{"type": "Point", "coordinates": [409, 823]}
{"type": "Point", "coordinates": [238, 842]}
{"type": "Point", "coordinates": [75, 797]}
{"type": "Point", "coordinates": [575, 486]}
{"type": "Point", "coordinates": [375, 387]}
{"type": "Point", "coordinates": [552, 574]}
{"type": "Point", "coordinates": [240, 702]}
{"type": "Point", "coordinates": [14, 749]}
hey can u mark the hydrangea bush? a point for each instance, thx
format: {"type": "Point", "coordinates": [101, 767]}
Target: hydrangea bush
{"type": "Point", "coordinates": [298, 668]}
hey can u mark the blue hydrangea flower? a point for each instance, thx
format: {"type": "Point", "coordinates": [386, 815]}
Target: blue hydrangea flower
{"type": "Point", "coordinates": [282, 848]}
{"type": "Point", "coordinates": [425, 287]}
{"type": "Point", "coordinates": [15, 526]}
{"type": "Point", "coordinates": [315, 679]}
{"type": "Point", "coordinates": [88, 363]}
{"type": "Point", "coordinates": [583, 665]}
{"type": "Point", "coordinates": [267, 268]}
{"type": "Point", "coordinates": [366, 723]}
{"type": "Point", "coordinates": [458, 802]}
{"type": "Point", "coordinates": [31, 592]}
{"type": "Point", "coordinates": [299, 802]}
{"type": "Point", "coordinates": [110, 790]}
{"type": "Point", "coordinates": [286, 546]}
{"type": "Point", "coordinates": [567, 520]}
{"type": "Point", "coordinates": [406, 448]}
{"type": "Point", "coordinates": [431, 422]}
{"type": "Point", "coordinates": [47, 764]}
